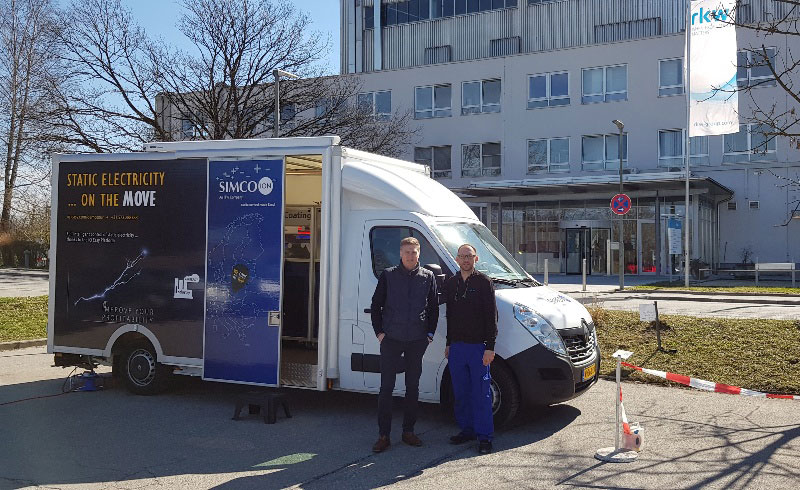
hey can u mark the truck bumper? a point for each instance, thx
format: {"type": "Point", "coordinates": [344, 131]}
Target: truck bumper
{"type": "Point", "coordinates": [545, 378]}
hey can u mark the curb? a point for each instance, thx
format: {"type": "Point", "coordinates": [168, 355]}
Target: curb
{"type": "Point", "coordinates": [723, 299]}
{"type": "Point", "coordinates": [21, 344]}
{"type": "Point", "coordinates": [710, 293]}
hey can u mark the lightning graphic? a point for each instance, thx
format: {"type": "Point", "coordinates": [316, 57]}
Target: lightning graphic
{"type": "Point", "coordinates": [126, 276]}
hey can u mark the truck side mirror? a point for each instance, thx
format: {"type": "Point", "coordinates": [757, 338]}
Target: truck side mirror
{"type": "Point", "coordinates": [437, 273]}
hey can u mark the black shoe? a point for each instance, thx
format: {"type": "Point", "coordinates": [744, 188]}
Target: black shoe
{"type": "Point", "coordinates": [461, 438]}
{"type": "Point", "coordinates": [484, 447]}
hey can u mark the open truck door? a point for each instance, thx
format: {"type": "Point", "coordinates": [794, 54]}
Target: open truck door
{"type": "Point", "coordinates": [242, 338]}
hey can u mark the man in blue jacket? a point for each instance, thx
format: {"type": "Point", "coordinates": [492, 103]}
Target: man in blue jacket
{"type": "Point", "coordinates": [405, 311]}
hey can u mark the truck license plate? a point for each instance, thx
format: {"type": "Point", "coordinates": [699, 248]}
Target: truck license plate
{"type": "Point", "coordinates": [589, 372]}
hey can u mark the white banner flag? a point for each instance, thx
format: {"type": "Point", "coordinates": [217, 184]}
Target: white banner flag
{"type": "Point", "coordinates": [713, 99]}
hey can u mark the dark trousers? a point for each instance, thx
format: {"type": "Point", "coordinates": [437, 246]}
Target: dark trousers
{"type": "Point", "coordinates": [472, 389]}
{"type": "Point", "coordinates": [397, 356]}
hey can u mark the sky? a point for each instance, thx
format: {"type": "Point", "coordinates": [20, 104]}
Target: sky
{"type": "Point", "coordinates": [158, 18]}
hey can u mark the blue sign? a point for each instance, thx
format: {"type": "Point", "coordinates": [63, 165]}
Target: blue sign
{"type": "Point", "coordinates": [243, 296]}
{"type": "Point", "coordinates": [674, 226]}
{"type": "Point", "coordinates": [620, 204]}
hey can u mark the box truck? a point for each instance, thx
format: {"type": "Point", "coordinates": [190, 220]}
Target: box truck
{"type": "Point", "coordinates": [254, 261]}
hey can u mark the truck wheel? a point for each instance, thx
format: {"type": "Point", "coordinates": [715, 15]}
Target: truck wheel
{"type": "Point", "coordinates": [143, 375]}
{"type": "Point", "coordinates": [505, 394]}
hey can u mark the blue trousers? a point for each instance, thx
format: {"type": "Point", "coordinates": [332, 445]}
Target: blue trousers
{"type": "Point", "coordinates": [471, 386]}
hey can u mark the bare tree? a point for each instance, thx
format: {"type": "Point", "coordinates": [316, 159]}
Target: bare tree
{"type": "Point", "coordinates": [769, 61]}
{"type": "Point", "coordinates": [134, 90]}
{"type": "Point", "coordinates": [27, 72]}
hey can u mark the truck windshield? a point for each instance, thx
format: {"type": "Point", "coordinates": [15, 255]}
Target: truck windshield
{"type": "Point", "coordinates": [493, 259]}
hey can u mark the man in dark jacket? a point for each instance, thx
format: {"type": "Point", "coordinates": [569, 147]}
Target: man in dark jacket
{"type": "Point", "coordinates": [471, 333]}
{"type": "Point", "coordinates": [405, 311]}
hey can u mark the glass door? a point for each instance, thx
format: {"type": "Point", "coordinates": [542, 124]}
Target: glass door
{"type": "Point", "coordinates": [578, 248]}
{"type": "Point", "coordinates": [599, 250]}
{"type": "Point", "coordinates": [647, 247]}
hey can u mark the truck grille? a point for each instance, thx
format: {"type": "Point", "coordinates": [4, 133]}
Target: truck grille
{"type": "Point", "coordinates": [579, 348]}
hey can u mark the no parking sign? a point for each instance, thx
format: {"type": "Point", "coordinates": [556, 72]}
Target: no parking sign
{"type": "Point", "coordinates": [621, 204]}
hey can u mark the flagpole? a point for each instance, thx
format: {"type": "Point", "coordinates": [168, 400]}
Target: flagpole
{"type": "Point", "coordinates": [687, 150]}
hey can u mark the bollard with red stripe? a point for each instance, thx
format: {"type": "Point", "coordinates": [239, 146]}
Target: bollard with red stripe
{"type": "Point", "coordinates": [702, 384]}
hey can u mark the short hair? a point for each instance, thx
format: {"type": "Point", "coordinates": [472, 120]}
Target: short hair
{"type": "Point", "coordinates": [409, 241]}
{"type": "Point", "coordinates": [474, 250]}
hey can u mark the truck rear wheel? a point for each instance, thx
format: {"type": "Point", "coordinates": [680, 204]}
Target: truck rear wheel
{"type": "Point", "coordinates": [143, 375]}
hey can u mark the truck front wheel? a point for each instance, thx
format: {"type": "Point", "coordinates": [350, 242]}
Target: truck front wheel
{"type": "Point", "coordinates": [505, 394]}
{"type": "Point", "coordinates": [143, 375]}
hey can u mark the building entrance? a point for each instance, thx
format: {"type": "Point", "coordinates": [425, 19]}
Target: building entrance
{"type": "Point", "coordinates": [578, 247]}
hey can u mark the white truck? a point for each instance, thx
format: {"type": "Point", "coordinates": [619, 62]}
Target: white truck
{"type": "Point", "coordinates": [254, 261]}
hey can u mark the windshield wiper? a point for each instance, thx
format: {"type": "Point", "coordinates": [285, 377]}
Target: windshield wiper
{"type": "Point", "coordinates": [531, 280]}
{"type": "Point", "coordinates": [509, 282]}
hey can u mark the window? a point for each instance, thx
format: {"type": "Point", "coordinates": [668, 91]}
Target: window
{"type": "Point", "coordinates": [369, 17]}
{"type": "Point", "coordinates": [548, 155]}
{"type": "Point", "coordinates": [187, 129]}
{"type": "Point", "coordinates": [385, 247]}
{"type": "Point", "coordinates": [754, 204]}
{"type": "Point", "coordinates": [750, 144]}
{"type": "Point", "coordinates": [752, 68]}
{"type": "Point", "coordinates": [377, 104]}
{"type": "Point", "coordinates": [605, 84]}
{"type": "Point", "coordinates": [480, 96]}
{"type": "Point", "coordinates": [480, 160]}
{"type": "Point", "coordinates": [548, 90]}
{"type": "Point", "coordinates": [437, 158]}
{"type": "Point", "coordinates": [670, 77]}
{"type": "Point", "coordinates": [322, 107]}
{"type": "Point", "coordinates": [601, 152]}
{"type": "Point", "coordinates": [288, 113]}
{"type": "Point", "coordinates": [671, 144]}
{"type": "Point", "coordinates": [731, 205]}
{"type": "Point", "coordinates": [432, 101]}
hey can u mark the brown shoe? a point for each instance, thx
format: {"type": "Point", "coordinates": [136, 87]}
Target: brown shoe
{"type": "Point", "coordinates": [381, 445]}
{"type": "Point", "coordinates": [411, 439]}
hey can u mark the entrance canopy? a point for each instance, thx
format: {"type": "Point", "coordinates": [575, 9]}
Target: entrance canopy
{"type": "Point", "coordinates": [662, 184]}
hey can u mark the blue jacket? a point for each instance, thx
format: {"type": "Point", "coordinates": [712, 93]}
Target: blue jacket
{"type": "Point", "coordinates": [405, 304]}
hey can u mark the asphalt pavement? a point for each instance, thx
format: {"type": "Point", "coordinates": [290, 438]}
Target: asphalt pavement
{"type": "Point", "coordinates": [186, 439]}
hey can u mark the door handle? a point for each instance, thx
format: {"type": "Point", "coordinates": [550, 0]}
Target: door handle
{"type": "Point", "coordinates": [367, 310]}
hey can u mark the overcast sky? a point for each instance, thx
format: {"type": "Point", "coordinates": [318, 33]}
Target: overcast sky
{"type": "Point", "coordinates": [158, 18]}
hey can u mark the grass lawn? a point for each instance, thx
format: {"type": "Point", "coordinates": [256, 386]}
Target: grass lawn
{"type": "Point", "coordinates": [761, 355]}
{"type": "Point", "coordinates": [715, 289]}
{"type": "Point", "coordinates": [23, 318]}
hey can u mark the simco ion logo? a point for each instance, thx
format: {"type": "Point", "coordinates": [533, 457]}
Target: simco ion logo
{"type": "Point", "coordinates": [264, 186]}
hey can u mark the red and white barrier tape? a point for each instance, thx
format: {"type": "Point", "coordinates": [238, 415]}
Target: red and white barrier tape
{"type": "Point", "coordinates": [626, 427]}
{"type": "Point", "coordinates": [702, 384]}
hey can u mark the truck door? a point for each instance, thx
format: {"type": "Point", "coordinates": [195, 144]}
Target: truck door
{"type": "Point", "coordinates": [380, 250]}
{"type": "Point", "coordinates": [244, 261]}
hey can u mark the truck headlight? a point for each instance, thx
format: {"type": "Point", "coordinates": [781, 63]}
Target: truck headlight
{"type": "Point", "coordinates": [540, 328]}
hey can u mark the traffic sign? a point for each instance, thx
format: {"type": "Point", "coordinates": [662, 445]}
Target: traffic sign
{"type": "Point", "coordinates": [621, 204]}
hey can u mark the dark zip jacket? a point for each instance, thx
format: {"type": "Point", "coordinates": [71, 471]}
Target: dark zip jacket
{"type": "Point", "coordinates": [405, 304]}
{"type": "Point", "coordinates": [471, 309]}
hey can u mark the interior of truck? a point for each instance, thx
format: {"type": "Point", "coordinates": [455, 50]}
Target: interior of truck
{"type": "Point", "coordinates": [301, 271]}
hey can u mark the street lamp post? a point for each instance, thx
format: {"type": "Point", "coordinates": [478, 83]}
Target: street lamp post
{"type": "Point", "coordinates": [277, 118]}
{"type": "Point", "coordinates": [620, 125]}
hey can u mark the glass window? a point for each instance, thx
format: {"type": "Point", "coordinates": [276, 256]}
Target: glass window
{"type": "Point", "coordinates": [376, 104]}
{"type": "Point", "coordinates": [480, 96]}
{"type": "Point", "coordinates": [187, 129]}
{"type": "Point", "coordinates": [432, 101]}
{"type": "Point", "coordinates": [752, 143]}
{"type": "Point", "coordinates": [470, 97]}
{"type": "Point", "coordinates": [436, 157]}
{"type": "Point", "coordinates": [550, 155]}
{"type": "Point", "coordinates": [369, 17]}
{"type": "Point", "coordinates": [753, 67]}
{"type": "Point", "coordinates": [670, 149]}
{"type": "Point", "coordinates": [479, 160]}
{"type": "Point", "coordinates": [537, 156]}
{"type": "Point", "coordinates": [548, 89]}
{"type": "Point", "coordinates": [670, 77]}
{"type": "Point", "coordinates": [605, 84]}
{"type": "Point", "coordinates": [592, 152]}
{"type": "Point", "coordinates": [385, 247]}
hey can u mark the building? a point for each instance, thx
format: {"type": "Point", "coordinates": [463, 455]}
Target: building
{"type": "Point", "coordinates": [515, 99]}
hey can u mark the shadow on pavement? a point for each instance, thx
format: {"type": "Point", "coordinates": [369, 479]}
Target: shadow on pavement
{"type": "Point", "coordinates": [187, 437]}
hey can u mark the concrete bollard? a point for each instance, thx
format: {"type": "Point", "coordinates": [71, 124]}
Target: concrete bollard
{"type": "Point", "coordinates": [546, 273]}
